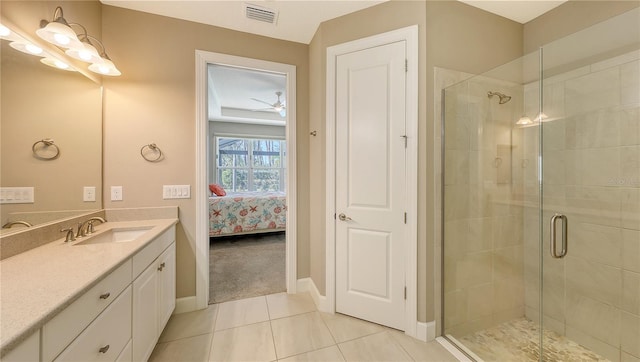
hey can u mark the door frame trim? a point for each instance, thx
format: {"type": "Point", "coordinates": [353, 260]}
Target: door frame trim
{"type": "Point", "coordinates": [410, 36]}
{"type": "Point", "coordinates": [203, 58]}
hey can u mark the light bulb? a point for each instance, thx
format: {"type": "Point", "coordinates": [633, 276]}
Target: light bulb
{"type": "Point", "coordinates": [33, 49]}
{"type": "Point", "coordinates": [105, 67]}
{"type": "Point", "coordinates": [61, 39]}
{"type": "Point", "coordinates": [4, 31]}
{"type": "Point", "coordinates": [56, 63]}
{"type": "Point", "coordinates": [84, 55]}
{"type": "Point", "coordinates": [27, 48]}
{"type": "Point", "coordinates": [60, 64]}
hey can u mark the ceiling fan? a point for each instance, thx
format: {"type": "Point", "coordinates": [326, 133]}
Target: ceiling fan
{"type": "Point", "coordinates": [278, 106]}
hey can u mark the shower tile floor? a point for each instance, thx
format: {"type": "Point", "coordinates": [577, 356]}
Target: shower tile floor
{"type": "Point", "coordinates": [518, 340]}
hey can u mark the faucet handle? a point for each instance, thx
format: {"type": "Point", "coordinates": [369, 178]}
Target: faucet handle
{"type": "Point", "coordinates": [90, 227]}
{"type": "Point", "coordinates": [69, 236]}
{"type": "Point", "coordinates": [80, 233]}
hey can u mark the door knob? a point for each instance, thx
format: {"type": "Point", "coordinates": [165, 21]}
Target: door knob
{"type": "Point", "coordinates": [344, 217]}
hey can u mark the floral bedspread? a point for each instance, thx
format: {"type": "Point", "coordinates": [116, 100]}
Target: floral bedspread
{"type": "Point", "coordinates": [241, 213]}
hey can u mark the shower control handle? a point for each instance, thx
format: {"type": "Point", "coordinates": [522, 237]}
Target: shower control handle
{"type": "Point", "coordinates": [552, 240]}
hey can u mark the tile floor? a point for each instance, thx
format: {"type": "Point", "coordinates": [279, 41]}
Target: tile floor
{"type": "Point", "coordinates": [284, 327]}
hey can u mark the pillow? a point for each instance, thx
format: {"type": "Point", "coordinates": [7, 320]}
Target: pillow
{"type": "Point", "coordinates": [217, 189]}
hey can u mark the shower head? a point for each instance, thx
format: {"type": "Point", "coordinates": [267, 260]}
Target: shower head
{"type": "Point", "coordinates": [503, 97]}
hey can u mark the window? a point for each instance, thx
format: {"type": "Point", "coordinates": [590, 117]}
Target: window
{"type": "Point", "coordinates": [245, 164]}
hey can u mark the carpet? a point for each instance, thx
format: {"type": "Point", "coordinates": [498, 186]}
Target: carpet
{"type": "Point", "coordinates": [246, 266]}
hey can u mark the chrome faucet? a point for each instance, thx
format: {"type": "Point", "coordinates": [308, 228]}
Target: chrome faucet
{"type": "Point", "coordinates": [11, 223]}
{"type": "Point", "coordinates": [84, 231]}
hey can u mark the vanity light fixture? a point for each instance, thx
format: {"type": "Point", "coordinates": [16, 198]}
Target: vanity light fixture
{"type": "Point", "coordinates": [105, 67]}
{"type": "Point", "coordinates": [27, 47]}
{"type": "Point", "coordinates": [56, 63]}
{"type": "Point", "coordinates": [58, 31]}
{"type": "Point", "coordinates": [86, 52]}
{"type": "Point", "coordinates": [103, 64]}
{"type": "Point", "coordinates": [80, 46]}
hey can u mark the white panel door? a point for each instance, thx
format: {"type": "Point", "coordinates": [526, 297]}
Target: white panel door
{"type": "Point", "coordinates": [371, 184]}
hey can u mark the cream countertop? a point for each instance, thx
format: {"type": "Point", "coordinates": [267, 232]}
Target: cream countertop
{"type": "Point", "coordinates": [39, 283]}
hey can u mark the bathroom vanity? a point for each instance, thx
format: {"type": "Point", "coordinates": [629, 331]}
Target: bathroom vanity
{"type": "Point", "coordinates": [105, 297]}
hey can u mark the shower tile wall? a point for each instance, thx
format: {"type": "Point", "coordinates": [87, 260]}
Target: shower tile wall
{"type": "Point", "coordinates": [483, 218]}
{"type": "Point", "coordinates": [591, 174]}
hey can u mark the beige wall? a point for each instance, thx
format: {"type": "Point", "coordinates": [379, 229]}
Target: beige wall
{"type": "Point", "coordinates": [154, 101]}
{"type": "Point", "coordinates": [569, 18]}
{"type": "Point", "coordinates": [451, 35]}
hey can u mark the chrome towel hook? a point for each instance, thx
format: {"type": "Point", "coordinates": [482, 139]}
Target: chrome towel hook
{"type": "Point", "coordinates": [151, 148]}
{"type": "Point", "coordinates": [46, 143]}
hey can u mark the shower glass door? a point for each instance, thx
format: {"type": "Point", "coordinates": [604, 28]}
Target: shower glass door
{"type": "Point", "coordinates": [541, 202]}
{"type": "Point", "coordinates": [590, 152]}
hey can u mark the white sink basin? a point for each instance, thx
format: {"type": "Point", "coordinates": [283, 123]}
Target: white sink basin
{"type": "Point", "coordinates": [116, 235]}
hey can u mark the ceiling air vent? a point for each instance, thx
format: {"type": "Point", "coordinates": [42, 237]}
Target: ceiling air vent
{"type": "Point", "coordinates": [260, 13]}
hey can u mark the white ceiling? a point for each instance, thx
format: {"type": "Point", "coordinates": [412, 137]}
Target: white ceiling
{"type": "Point", "coordinates": [516, 10]}
{"type": "Point", "coordinates": [230, 93]}
{"type": "Point", "coordinates": [298, 20]}
{"type": "Point", "coordinates": [231, 89]}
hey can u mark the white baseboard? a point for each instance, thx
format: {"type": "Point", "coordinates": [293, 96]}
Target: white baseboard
{"type": "Point", "coordinates": [426, 331]}
{"type": "Point", "coordinates": [307, 285]}
{"type": "Point", "coordinates": [185, 304]}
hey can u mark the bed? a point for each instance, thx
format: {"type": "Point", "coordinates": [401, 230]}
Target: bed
{"type": "Point", "coordinates": [247, 213]}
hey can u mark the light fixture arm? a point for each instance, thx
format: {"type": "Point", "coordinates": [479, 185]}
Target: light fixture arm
{"type": "Point", "coordinates": [58, 17]}
{"type": "Point", "coordinates": [103, 52]}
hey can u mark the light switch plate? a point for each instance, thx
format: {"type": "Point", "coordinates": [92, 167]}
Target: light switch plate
{"type": "Point", "coordinates": [89, 194]}
{"type": "Point", "coordinates": [176, 192]}
{"type": "Point", "coordinates": [116, 193]}
{"type": "Point", "coordinates": [16, 195]}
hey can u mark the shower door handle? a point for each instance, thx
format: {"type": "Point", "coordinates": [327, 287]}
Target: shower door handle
{"type": "Point", "coordinates": [552, 228]}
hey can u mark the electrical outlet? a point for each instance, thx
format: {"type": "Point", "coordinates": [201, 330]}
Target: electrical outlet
{"type": "Point", "coordinates": [116, 193]}
{"type": "Point", "coordinates": [89, 194]}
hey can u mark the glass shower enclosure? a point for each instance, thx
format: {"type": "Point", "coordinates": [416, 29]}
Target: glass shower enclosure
{"type": "Point", "coordinates": [541, 202]}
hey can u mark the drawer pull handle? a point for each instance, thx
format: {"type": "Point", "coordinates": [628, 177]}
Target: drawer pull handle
{"type": "Point", "coordinates": [105, 295]}
{"type": "Point", "coordinates": [161, 266]}
{"type": "Point", "coordinates": [104, 349]}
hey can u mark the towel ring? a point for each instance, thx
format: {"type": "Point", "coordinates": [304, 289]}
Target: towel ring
{"type": "Point", "coordinates": [47, 142]}
{"type": "Point", "coordinates": [153, 148]}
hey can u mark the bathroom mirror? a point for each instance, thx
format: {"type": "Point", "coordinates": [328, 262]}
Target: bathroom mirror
{"type": "Point", "coordinates": [39, 103]}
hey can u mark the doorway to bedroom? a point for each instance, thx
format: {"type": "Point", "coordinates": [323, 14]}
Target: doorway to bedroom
{"type": "Point", "coordinates": [249, 159]}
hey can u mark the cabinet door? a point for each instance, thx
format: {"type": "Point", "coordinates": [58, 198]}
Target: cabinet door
{"type": "Point", "coordinates": [27, 351]}
{"type": "Point", "coordinates": [145, 313]}
{"type": "Point", "coordinates": [167, 284]}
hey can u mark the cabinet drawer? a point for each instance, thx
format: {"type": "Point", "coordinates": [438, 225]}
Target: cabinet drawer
{"type": "Point", "coordinates": [106, 337]}
{"type": "Point", "coordinates": [150, 252]}
{"type": "Point", "coordinates": [64, 327]}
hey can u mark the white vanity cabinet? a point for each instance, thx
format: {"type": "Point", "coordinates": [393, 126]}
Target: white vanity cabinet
{"type": "Point", "coordinates": [27, 351]}
{"type": "Point", "coordinates": [153, 298]}
{"type": "Point", "coordinates": [118, 319]}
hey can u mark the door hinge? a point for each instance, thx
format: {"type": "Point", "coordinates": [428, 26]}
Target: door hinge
{"type": "Point", "coordinates": [405, 217]}
{"type": "Point", "coordinates": [405, 140]}
{"type": "Point", "coordinates": [406, 65]}
{"type": "Point", "coordinates": [405, 293]}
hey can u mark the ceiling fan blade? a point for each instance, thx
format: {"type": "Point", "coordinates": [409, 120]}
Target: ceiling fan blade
{"type": "Point", "coordinates": [261, 101]}
{"type": "Point", "coordinates": [262, 109]}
